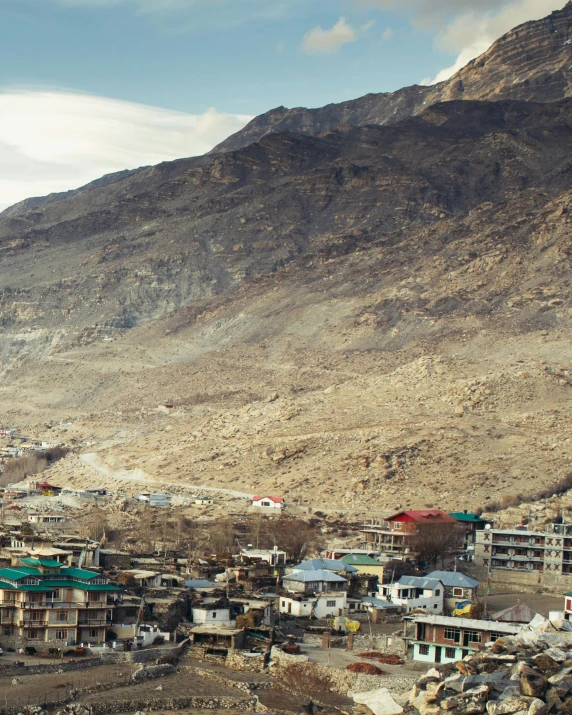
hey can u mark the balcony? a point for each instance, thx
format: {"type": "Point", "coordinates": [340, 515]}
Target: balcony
{"type": "Point", "coordinates": [92, 622]}
{"type": "Point", "coordinates": [32, 624]}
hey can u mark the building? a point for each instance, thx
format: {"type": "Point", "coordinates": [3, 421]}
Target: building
{"type": "Point", "coordinates": [332, 553]}
{"type": "Point", "coordinates": [143, 578]}
{"type": "Point", "coordinates": [364, 564]}
{"type": "Point", "coordinates": [273, 503]}
{"type": "Point", "coordinates": [42, 601]}
{"type": "Point", "coordinates": [323, 605]}
{"type": "Point", "coordinates": [521, 613]}
{"type": "Point", "coordinates": [274, 556]}
{"type": "Point", "coordinates": [544, 555]}
{"type": "Point", "coordinates": [46, 518]}
{"type": "Point", "coordinates": [212, 614]}
{"type": "Point", "coordinates": [568, 606]}
{"type": "Point", "coordinates": [446, 639]}
{"type": "Point", "coordinates": [458, 587]}
{"type": "Point", "coordinates": [155, 500]}
{"type": "Point", "coordinates": [47, 490]}
{"type": "Point", "coordinates": [204, 501]}
{"type": "Point", "coordinates": [413, 592]}
{"type": "Point", "coordinates": [472, 523]}
{"type": "Point", "coordinates": [314, 581]}
{"type": "Point", "coordinates": [335, 565]}
{"type": "Point", "coordinates": [395, 536]}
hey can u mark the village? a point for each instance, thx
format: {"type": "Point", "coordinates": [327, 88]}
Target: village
{"type": "Point", "coordinates": [248, 604]}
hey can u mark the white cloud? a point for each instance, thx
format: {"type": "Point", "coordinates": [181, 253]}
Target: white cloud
{"type": "Point", "coordinates": [325, 42]}
{"type": "Point", "coordinates": [387, 34]}
{"type": "Point", "coordinates": [468, 28]}
{"type": "Point", "coordinates": [319, 41]}
{"type": "Point", "coordinates": [55, 141]}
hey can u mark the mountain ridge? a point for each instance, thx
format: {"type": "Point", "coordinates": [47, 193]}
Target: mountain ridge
{"type": "Point", "coordinates": [490, 76]}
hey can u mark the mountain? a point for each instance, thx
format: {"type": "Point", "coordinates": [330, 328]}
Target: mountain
{"type": "Point", "coordinates": [533, 62]}
{"type": "Point", "coordinates": [370, 317]}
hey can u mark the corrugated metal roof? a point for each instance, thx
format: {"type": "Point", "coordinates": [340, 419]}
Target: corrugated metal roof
{"type": "Point", "coordinates": [521, 613]}
{"type": "Point", "coordinates": [315, 575]}
{"type": "Point", "coordinates": [360, 560]}
{"type": "Point", "coordinates": [328, 564]}
{"type": "Point", "coordinates": [420, 582]}
{"type": "Point", "coordinates": [200, 583]}
{"type": "Point", "coordinates": [454, 578]}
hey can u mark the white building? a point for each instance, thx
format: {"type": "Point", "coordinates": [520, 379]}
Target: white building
{"type": "Point", "coordinates": [412, 592]}
{"type": "Point", "coordinates": [321, 606]}
{"type": "Point", "coordinates": [274, 556]}
{"type": "Point", "coordinates": [273, 503]}
{"type": "Point", "coordinates": [212, 616]}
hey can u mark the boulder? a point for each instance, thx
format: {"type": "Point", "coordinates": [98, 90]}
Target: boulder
{"type": "Point", "coordinates": [532, 683]}
{"type": "Point", "coordinates": [380, 702]}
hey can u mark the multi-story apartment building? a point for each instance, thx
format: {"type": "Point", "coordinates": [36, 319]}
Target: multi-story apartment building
{"type": "Point", "coordinates": [395, 536]}
{"type": "Point", "coordinates": [43, 601]}
{"type": "Point", "coordinates": [546, 554]}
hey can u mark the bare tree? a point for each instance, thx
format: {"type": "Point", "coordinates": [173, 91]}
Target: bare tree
{"type": "Point", "coordinates": [297, 537]}
{"type": "Point", "coordinates": [436, 541]}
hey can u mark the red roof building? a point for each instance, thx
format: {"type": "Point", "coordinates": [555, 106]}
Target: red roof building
{"type": "Point", "coordinates": [262, 502]}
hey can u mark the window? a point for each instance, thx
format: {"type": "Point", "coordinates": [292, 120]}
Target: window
{"type": "Point", "coordinates": [214, 614]}
{"type": "Point", "coordinates": [423, 649]}
{"type": "Point", "coordinates": [397, 525]}
{"type": "Point", "coordinates": [473, 636]}
{"type": "Point", "coordinates": [450, 653]}
{"type": "Point", "coordinates": [453, 634]}
{"type": "Point", "coordinates": [61, 635]}
{"type": "Point", "coordinates": [61, 617]}
{"type": "Point", "coordinates": [438, 592]}
{"type": "Point", "coordinates": [56, 595]}
{"type": "Point", "coordinates": [93, 633]}
{"type": "Point", "coordinates": [331, 604]}
{"type": "Point", "coordinates": [7, 631]}
{"type": "Point", "coordinates": [457, 592]}
{"type": "Point", "coordinates": [283, 604]}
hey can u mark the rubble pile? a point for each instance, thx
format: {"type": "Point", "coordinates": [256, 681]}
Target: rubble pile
{"type": "Point", "coordinates": [526, 674]}
{"type": "Point", "coordinates": [367, 668]}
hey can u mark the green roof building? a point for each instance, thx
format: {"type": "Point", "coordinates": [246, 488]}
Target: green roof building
{"type": "Point", "coordinates": [44, 602]}
{"type": "Point", "coordinates": [364, 564]}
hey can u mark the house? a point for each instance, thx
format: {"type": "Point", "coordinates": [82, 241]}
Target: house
{"type": "Point", "coordinates": [332, 553]}
{"type": "Point", "coordinates": [321, 605]}
{"type": "Point", "coordinates": [337, 566]}
{"type": "Point", "coordinates": [204, 501]}
{"type": "Point", "coordinates": [212, 614]}
{"type": "Point", "coordinates": [42, 601]}
{"type": "Point", "coordinates": [46, 518]}
{"type": "Point", "coordinates": [364, 564]}
{"type": "Point", "coordinates": [521, 613]}
{"type": "Point", "coordinates": [155, 500]}
{"type": "Point", "coordinates": [413, 592]}
{"type": "Point", "coordinates": [446, 639]}
{"type": "Point", "coordinates": [217, 639]}
{"type": "Point", "coordinates": [458, 587]}
{"type": "Point", "coordinates": [471, 523]}
{"type": "Point", "coordinates": [274, 556]}
{"type": "Point", "coordinates": [314, 581]}
{"type": "Point", "coordinates": [144, 579]}
{"type": "Point", "coordinates": [273, 503]}
{"type": "Point", "coordinates": [48, 490]}
{"type": "Point", "coordinates": [395, 536]}
{"type": "Point", "coordinates": [263, 607]}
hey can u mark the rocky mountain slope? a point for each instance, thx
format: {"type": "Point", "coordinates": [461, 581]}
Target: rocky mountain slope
{"type": "Point", "coordinates": [532, 62]}
{"type": "Point", "coordinates": [368, 318]}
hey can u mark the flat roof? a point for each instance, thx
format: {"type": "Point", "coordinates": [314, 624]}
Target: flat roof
{"type": "Point", "coordinates": [217, 630]}
{"type": "Point", "coordinates": [469, 623]}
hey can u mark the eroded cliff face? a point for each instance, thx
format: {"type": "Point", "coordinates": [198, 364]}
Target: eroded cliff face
{"type": "Point", "coordinates": [533, 62]}
{"type": "Point", "coordinates": [176, 235]}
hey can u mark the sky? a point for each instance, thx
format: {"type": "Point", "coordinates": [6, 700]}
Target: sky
{"type": "Point", "coordinates": [88, 87]}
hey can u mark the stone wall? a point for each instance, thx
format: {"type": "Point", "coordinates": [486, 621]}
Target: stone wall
{"type": "Point", "coordinates": [56, 667]}
{"type": "Point", "coordinates": [248, 663]}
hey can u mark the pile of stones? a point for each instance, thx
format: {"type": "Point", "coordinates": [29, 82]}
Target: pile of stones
{"type": "Point", "coordinates": [526, 674]}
